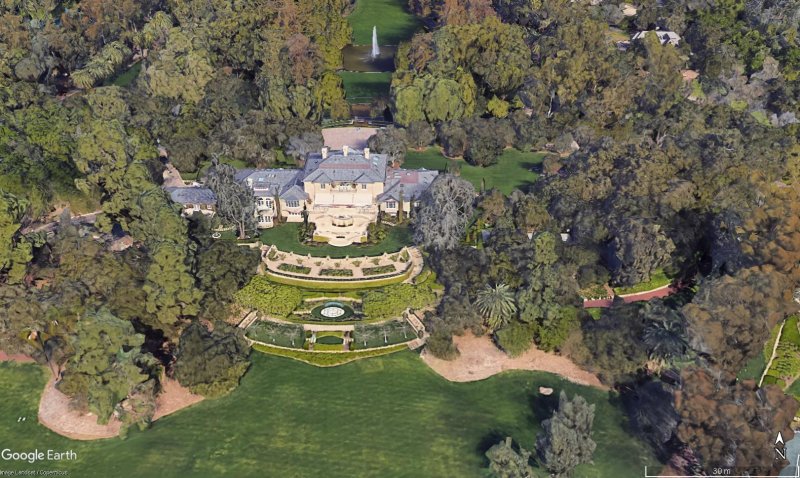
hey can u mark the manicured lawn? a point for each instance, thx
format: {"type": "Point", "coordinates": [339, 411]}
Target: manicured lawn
{"type": "Point", "coordinates": [388, 416]}
{"type": "Point", "coordinates": [394, 22]}
{"type": "Point", "coordinates": [362, 87]}
{"type": "Point", "coordinates": [753, 369]}
{"type": "Point", "coordinates": [285, 238]}
{"type": "Point", "coordinates": [514, 169]}
{"type": "Point", "coordinates": [282, 335]}
{"type": "Point", "coordinates": [658, 279]}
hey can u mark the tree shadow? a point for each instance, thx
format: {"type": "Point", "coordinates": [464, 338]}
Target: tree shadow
{"type": "Point", "coordinates": [491, 439]}
{"type": "Point", "coordinates": [543, 406]}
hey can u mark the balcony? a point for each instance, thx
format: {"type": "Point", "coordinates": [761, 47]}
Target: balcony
{"type": "Point", "coordinates": [264, 207]}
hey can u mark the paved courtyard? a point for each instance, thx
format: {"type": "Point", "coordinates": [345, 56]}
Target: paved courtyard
{"type": "Point", "coordinates": [354, 137]}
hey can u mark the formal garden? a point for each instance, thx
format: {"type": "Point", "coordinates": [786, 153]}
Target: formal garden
{"type": "Point", "coordinates": [402, 264]}
{"type": "Point", "coordinates": [395, 411]}
{"type": "Point", "coordinates": [784, 369]}
{"type": "Point", "coordinates": [288, 237]}
{"type": "Point", "coordinates": [293, 321]}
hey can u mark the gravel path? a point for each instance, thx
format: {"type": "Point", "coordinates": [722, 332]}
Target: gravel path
{"type": "Point", "coordinates": [19, 358]}
{"type": "Point", "coordinates": [481, 359]}
{"type": "Point", "coordinates": [56, 413]}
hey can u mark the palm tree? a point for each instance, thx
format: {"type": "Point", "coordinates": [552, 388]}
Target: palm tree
{"type": "Point", "coordinates": [665, 338]}
{"type": "Point", "coordinates": [496, 304]}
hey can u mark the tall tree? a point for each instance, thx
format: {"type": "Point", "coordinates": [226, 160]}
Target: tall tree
{"type": "Point", "coordinates": [566, 438]}
{"type": "Point", "coordinates": [211, 362]}
{"type": "Point", "coordinates": [496, 304]}
{"type": "Point", "coordinates": [444, 212]}
{"type": "Point", "coordinates": [15, 250]}
{"type": "Point", "coordinates": [729, 423]}
{"type": "Point", "coordinates": [108, 363]}
{"type": "Point", "coordinates": [235, 202]}
{"type": "Point", "coordinates": [505, 462]}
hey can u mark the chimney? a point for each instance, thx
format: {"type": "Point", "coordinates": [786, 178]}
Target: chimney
{"type": "Point", "coordinates": [324, 152]}
{"type": "Point", "coordinates": [366, 153]}
{"type": "Point", "coordinates": [345, 149]}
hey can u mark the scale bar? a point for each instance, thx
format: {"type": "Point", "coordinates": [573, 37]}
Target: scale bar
{"type": "Point", "coordinates": [796, 474]}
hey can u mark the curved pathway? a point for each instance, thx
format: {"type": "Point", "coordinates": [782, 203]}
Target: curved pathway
{"type": "Point", "coordinates": [481, 359]}
{"type": "Point", "coordinates": [657, 293]}
{"type": "Point", "coordinates": [56, 413]}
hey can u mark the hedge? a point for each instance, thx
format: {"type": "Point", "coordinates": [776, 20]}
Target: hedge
{"type": "Point", "coordinates": [334, 284]}
{"type": "Point", "coordinates": [326, 359]}
{"type": "Point", "coordinates": [391, 301]}
{"type": "Point", "coordinates": [293, 268]}
{"type": "Point", "coordinates": [268, 297]}
{"type": "Point", "coordinates": [374, 271]}
{"type": "Point", "coordinates": [336, 272]}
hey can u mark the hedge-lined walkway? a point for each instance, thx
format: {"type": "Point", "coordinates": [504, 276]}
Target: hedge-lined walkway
{"type": "Point", "coordinates": [657, 293]}
{"type": "Point", "coordinates": [289, 264]}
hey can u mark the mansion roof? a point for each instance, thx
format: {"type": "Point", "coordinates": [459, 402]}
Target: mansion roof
{"type": "Point", "coordinates": [272, 182]}
{"type": "Point", "coordinates": [406, 183]}
{"type": "Point", "coordinates": [193, 195]}
{"type": "Point", "coordinates": [345, 166]}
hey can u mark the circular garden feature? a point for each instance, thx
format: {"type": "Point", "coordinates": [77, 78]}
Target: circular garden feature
{"type": "Point", "coordinates": [332, 311]}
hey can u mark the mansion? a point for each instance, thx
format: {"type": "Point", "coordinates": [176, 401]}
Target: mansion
{"type": "Point", "coordinates": [341, 191]}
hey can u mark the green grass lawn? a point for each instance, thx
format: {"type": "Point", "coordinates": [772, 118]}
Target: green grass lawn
{"type": "Point", "coordinates": [753, 369]}
{"type": "Point", "coordinates": [514, 169]}
{"type": "Point", "coordinates": [236, 163]}
{"type": "Point", "coordinates": [658, 279]}
{"type": "Point", "coordinates": [394, 22]}
{"type": "Point", "coordinates": [389, 416]}
{"type": "Point", "coordinates": [362, 87]}
{"type": "Point", "coordinates": [285, 238]}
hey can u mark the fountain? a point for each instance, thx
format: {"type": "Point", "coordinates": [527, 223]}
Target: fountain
{"type": "Point", "coordinates": [376, 51]}
{"type": "Point", "coordinates": [372, 58]}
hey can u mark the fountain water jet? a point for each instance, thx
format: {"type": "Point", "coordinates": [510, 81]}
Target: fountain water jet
{"type": "Point", "coordinates": [376, 51]}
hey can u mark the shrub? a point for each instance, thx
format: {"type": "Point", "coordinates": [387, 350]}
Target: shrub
{"type": "Point", "coordinates": [441, 346]}
{"type": "Point", "coordinates": [515, 338]}
{"type": "Point", "coordinates": [269, 297]}
{"type": "Point", "coordinates": [336, 272]}
{"type": "Point", "coordinates": [391, 301]}
{"type": "Point", "coordinates": [374, 271]}
{"type": "Point", "coordinates": [293, 268]}
{"type": "Point", "coordinates": [329, 359]}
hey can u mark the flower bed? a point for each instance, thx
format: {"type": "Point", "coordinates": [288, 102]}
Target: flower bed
{"type": "Point", "coordinates": [373, 271]}
{"type": "Point", "coordinates": [294, 269]}
{"type": "Point", "coordinates": [336, 272]}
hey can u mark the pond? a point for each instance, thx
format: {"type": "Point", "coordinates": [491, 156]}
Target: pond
{"type": "Point", "coordinates": [358, 58]}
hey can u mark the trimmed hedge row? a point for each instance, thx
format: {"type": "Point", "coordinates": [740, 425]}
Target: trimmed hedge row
{"type": "Point", "coordinates": [327, 359]}
{"type": "Point", "coordinates": [294, 269]}
{"type": "Point", "coordinates": [334, 284]}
